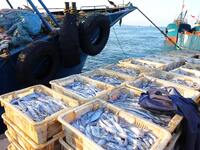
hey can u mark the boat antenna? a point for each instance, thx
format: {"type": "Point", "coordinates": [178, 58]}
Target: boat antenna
{"type": "Point", "coordinates": [161, 31]}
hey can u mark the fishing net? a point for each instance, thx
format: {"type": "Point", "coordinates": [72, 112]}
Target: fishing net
{"type": "Point", "coordinates": [20, 25]}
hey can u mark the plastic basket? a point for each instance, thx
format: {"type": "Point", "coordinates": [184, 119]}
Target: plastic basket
{"type": "Point", "coordinates": [26, 142]}
{"type": "Point", "coordinates": [187, 72]}
{"type": "Point", "coordinates": [123, 78]}
{"type": "Point", "coordinates": [143, 63]}
{"type": "Point", "coordinates": [186, 92]}
{"type": "Point", "coordinates": [59, 86]}
{"type": "Point", "coordinates": [186, 81]}
{"type": "Point", "coordinates": [39, 132]}
{"type": "Point", "coordinates": [79, 141]}
{"type": "Point", "coordinates": [64, 145]}
{"type": "Point", "coordinates": [173, 123]}
{"type": "Point", "coordinates": [13, 144]}
{"type": "Point", "coordinates": [191, 66]}
{"type": "Point", "coordinates": [136, 69]}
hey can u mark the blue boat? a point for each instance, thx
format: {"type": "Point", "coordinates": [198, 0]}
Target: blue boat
{"type": "Point", "coordinates": [178, 26]}
{"type": "Point", "coordinates": [181, 33]}
{"type": "Point", "coordinates": [63, 46]}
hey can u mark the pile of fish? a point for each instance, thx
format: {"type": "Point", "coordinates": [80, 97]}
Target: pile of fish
{"type": "Point", "coordinates": [83, 89]}
{"type": "Point", "coordinates": [143, 64]}
{"type": "Point", "coordinates": [193, 61]}
{"type": "Point", "coordinates": [146, 84]}
{"type": "Point", "coordinates": [130, 104]}
{"type": "Point", "coordinates": [108, 79]}
{"type": "Point", "coordinates": [38, 106]}
{"type": "Point", "coordinates": [189, 83]}
{"type": "Point", "coordinates": [183, 72]}
{"type": "Point", "coordinates": [126, 70]}
{"type": "Point", "coordinates": [113, 133]}
{"type": "Point", "coordinates": [191, 66]}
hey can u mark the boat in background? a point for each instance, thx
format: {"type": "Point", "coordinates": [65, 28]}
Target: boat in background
{"type": "Point", "coordinates": [190, 39]}
{"type": "Point", "coordinates": [179, 25]}
{"type": "Point", "coordinates": [181, 32]}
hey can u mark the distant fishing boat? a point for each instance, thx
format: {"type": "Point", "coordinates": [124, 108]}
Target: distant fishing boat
{"type": "Point", "coordinates": [179, 25]}
{"type": "Point", "coordinates": [181, 32]}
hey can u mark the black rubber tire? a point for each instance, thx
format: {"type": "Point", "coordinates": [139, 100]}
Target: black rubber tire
{"type": "Point", "coordinates": [69, 42]}
{"type": "Point", "coordinates": [41, 54]}
{"type": "Point", "coordinates": [184, 27]}
{"type": "Point", "coordinates": [88, 27]}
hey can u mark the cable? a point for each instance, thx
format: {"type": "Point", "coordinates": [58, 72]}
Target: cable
{"type": "Point", "coordinates": [159, 29]}
{"type": "Point", "coordinates": [118, 42]}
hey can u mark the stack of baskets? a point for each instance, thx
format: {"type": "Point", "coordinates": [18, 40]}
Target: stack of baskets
{"type": "Point", "coordinates": [25, 134]}
{"type": "Point", "coordinates": [56, 131]}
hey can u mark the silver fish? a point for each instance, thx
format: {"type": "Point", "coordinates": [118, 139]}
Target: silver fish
{"type": "Point", "coordinates": [112, 132]}
{"type": "Point", "coordinates": [84, 90]}
{"type": "Point", "coordinates": [108, 79]}
{"type": "Point", "coordinates": [38, 106]}
{"type": "Point", "coordinates": [132, 72]}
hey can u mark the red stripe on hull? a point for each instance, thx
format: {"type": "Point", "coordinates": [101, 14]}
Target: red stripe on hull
{"type": "Point", "coordinates": [174, 39]}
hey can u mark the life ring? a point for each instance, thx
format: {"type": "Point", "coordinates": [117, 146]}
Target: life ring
{"type": "Point", "coordinates": [94, 32]}
{"type": "Point", "coordinates": [37, 63]}
{"type": "Point", "coordinates": [69, 42]}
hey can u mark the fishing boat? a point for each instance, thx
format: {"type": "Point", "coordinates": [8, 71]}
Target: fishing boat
{"type": "Point", "coordinates": [181, 33]}
{"type": "Point", "coordinates": [179, 25]}
{"type": "Point", "coordinates": [191, 39]}
{"type": "Point", "coordinates": [58, 50]}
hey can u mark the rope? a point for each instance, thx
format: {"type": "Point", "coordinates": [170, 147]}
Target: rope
{"type": "Point", "coordinates": [118, 42]}
{"type": "Point", "coordinates": [159, 29]}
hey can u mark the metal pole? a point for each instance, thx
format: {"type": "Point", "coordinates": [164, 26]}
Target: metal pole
{"type": "Point", "coordinates": [159, 29]}
{"type": "Point", "coordinates": [9, 4]}
{"type": "Point", "coordinates": [39, 14]}
{"type": "Point", "coordinates": [49, 13]}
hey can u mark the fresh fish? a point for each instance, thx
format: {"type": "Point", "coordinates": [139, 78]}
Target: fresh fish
{"type": "Point", "coordinates": [143, 64]}
{"type": "Point", "coordinates": [82, 89]}
{"type": "Point", "coordinates": [146, 85]}
{"type": "Point", "coordinates": [183, 72]}
{"type": "Point", "coordinates": [114, 133]}
{"type": "Point", "coordinates": [130, 104]}
{"type": "Point", "coordinates": [38, 106]}
{"type": "Point", "coordinates": [132, 72]}
{"type": "Point", "coordinates": [181, 81]}
{"type": "Point", "coordinates": [108, 79]}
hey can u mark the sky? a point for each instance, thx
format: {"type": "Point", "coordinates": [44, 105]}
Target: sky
{"type": "Point", "coordinates": [162, 12]}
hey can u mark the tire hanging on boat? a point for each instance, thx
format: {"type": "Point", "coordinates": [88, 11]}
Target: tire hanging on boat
{"type": "Point", "coordinates": [94, 32]}
{"type": "Point", "coordinates": [69, 42]}
{"type": "Point", "coordinates": [37, 63]}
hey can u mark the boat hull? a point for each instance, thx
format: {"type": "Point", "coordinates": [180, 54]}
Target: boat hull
{"type": "Point", "coordinates": [189, 41]}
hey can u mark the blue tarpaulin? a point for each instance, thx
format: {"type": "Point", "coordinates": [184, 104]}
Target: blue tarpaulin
{"type": "Point", "coordinates": [20, 25]}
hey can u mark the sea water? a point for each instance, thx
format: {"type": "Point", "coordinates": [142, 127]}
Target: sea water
{"type": "Point", "coordinates": [129, 41]}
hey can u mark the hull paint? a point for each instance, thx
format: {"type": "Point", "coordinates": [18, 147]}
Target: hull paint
{"type": "Point", "coordinates": [189, 41]}
{"type": "Point", "coordinates": [174, 39]}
